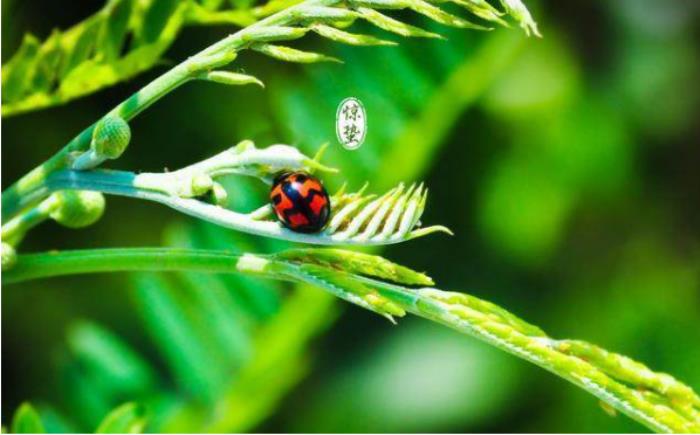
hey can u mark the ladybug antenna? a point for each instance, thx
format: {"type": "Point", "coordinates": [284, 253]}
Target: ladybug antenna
{"type": "Point", "coordinates": [315, 163]}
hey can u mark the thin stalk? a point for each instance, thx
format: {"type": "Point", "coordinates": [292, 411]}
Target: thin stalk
{"type": "Point", "coordinates": [124, 183]}
{"type": "Point", "coordinates": [15, 229]}
{"type": "Point", "coordinates": [45, 265]}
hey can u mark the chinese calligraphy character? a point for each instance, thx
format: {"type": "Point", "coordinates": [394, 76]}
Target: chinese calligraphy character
{"type": "Point", "coordinates": [351, 123]}
{"type": "Point", "coordinates": [351, 132]}
{"type": "Point", "coordinates": [350, 112]}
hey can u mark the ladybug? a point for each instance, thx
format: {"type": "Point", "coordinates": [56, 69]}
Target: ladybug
{"type": "Point", "coordinates": [300, 201]}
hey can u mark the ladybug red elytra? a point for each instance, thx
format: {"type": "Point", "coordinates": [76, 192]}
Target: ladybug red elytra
{"type": "Point", "coordinates": [300, 202]}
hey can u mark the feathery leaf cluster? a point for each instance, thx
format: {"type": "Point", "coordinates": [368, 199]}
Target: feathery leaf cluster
{"type": "Point", "coordinates": [656, 400]}
{"type": "Point", "coordinates": [127, 418]}
{"type": "Point", "coordinates": [127, 37]}
{"type": "Point", "coordinates": [124, 38]}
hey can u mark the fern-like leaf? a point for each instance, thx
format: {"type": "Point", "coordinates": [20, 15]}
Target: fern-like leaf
{"type": "Point", "coordinates": [127, 37]}
{"type": "Point", "coordinates": [654, 399]}
{"type": "Point", "coordinates": [121, 40]}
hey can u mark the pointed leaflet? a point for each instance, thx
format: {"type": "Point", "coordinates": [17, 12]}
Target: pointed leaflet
{"type": "Point", "coordinates": [16, 73]}
{"type": "Point", "coordinates": [288, 54]}
{"type": "Point", "coordinates": [357, 263]}
{"type": "Point", "coordinates": [127, 418]}
{"type": "Point", "coordinates": [394, 26]}
{"type": "Point", "coordinates": [348, 38]}
{"type": "Point", "coordinates": [26, 420]}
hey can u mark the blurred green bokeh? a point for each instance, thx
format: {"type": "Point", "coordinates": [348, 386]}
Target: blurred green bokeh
{"type": "Point", "coordinates": [568, 168]}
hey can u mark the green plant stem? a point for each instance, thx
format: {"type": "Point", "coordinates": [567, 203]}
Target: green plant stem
{"type": "Point", "coordinates": [220, 53]}
{"type": "Point", "coordinates": [656, 400]}
{"type": "Point", "coordinates": [34, 266]}
{"type": "Point", "coordinates": [15, 229]}
{"type": "Point", "coordinates": [663, 416]}
{"type": "Point", "coordinates": [255, 36]}
{"type": "Point", "coordinates": [159, 188]}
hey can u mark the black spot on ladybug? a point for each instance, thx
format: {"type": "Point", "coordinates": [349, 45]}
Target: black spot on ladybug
{"type": "Point", "coordinates": [300, 202]}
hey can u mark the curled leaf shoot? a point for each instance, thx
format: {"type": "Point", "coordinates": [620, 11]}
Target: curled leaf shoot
{"type": "Point", "coordinates": [230, 78]}
{"type": "Point", "coordinates": [356, 218]}
{"type": "Point", "coordinates": [70, 208]}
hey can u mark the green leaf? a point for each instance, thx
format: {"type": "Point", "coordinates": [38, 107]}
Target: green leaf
{"type": "Point", "coordinates": [16, 72]}
{"type": "Point", "coordinates": [348, 38]}
{"type": "Point", "coordinates": [289, 54]}
{"type": "Point", "coordinates": [233, 79]}
{"type": "Point", "coordinates": [156, 19]}
{"type": "Point", "coordinates": [79, 45]}
{"type": "Point", "coordinates": [517, 10]}
{"type": "Point", "coordinates": [231, 325]}
{"type": "Point", "coordinates": [280, 361]}
{"type": "Point", "coordinates": [127, 418]}
{"type": "Point", "coordinates": [111, 361]}
{"type": "Point", "coordinates": [357, 263]}
{"type": "Point", "coordinates": [92, 54]}
{"type": "Point", "coordinates": [210, 15]}
{"type": "Point", "coordinates": [115, 28]}
{"type": "Point", "coordinates": [275, 33]}
{"type": "Point", "coordinates": [344, 286]}
{"type": "Point", "coordinates": [325, 14]}
{"type": "Point", "coordinates": [181, 332]}
{"type": "Point", "coordinates": [394, 26]}
{"type": "Point", "coordinates": [671, 406]}
{"type": "Point", "coordinates": [482, 9]}
{"type": "Point", "coordinates": [27, 420]}
{"type": "Point", "coordinates": [47, 64]}
{"type": "Point", "coordinates": [442, 17]}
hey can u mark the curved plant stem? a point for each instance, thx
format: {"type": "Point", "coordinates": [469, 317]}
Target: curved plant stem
{"type": "Point", "coordinates": [215, 55]}
{"type": "Point", "coordinates": [34, 266]}
{"type": "Point", "coordinates": [127, 184]}
{"type": "Point", "coordinates": [15, 228]}
{"type": "Point", "coordinates": [656, 400]}
{"type": "Point", "coordinates": [604, 378]}
{"type": "Point", "coordinates": [281, 26]}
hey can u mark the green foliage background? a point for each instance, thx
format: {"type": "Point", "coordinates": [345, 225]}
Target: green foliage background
{"type": "Point", "coordinates": [567, 167]}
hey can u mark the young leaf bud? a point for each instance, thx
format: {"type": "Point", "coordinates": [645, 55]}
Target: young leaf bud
{"type": "Point", "coordinates": [201, 184]}
{"type": "Point", "coordinates": [219, 195]}
{"type": "Point", "coordinates": [78, 208]}
{"type": "Point", "coordinates": [110, 138]}
{"type": "Point", "coordinates": [231, 78]}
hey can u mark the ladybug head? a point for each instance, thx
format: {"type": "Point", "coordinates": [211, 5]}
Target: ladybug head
{"type": "Point", "coordinates": [280, 176]}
